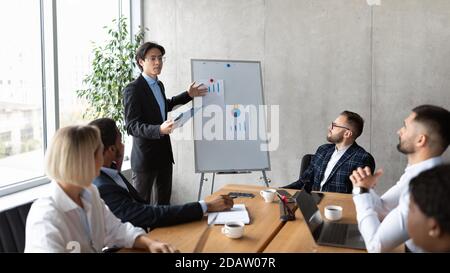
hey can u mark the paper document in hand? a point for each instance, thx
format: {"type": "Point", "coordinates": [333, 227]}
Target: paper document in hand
{"type": "Point", "coordinates": [214, 96]}
{"type": "Point", "coordinates": [182, 118]}
{"type": "Point", "coordinates": [237, 213]}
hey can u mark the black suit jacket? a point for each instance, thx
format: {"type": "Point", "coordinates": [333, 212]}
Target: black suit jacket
{"type": "Point", "coordinates": [142, 120]}
{"type": "Point", "coordinates": [130, 207]}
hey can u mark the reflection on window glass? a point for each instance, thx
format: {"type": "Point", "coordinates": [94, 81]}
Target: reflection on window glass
{"type": "Point", "coordinates": [21, 121]}
{"type": "Point", "coordinates": [80, 23]}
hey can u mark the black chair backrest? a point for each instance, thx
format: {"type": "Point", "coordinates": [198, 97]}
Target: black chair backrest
{"type": "Point", "coordinates": [306, 159]}
{"type": "Point", "coordinates": [12, 228]}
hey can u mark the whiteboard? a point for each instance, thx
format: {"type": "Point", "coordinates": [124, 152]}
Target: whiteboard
{"type": "Point", "coordinates": [235, 88]}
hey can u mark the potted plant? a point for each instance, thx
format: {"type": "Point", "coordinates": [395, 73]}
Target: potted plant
{"type": "Point", "coordinates": [113, 67]}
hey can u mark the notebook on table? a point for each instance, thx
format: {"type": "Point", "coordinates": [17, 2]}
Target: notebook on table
{"type": "Point", "coordinates": [237, 213]}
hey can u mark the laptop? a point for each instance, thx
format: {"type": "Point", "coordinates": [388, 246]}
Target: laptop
{"type": "Point", "coordinates": [328, 233]}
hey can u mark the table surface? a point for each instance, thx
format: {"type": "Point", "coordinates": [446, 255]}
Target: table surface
{"type": "Point", "coordinates": [264, 225]}
{"type": "Point", "coordinates": [296, 237]}
{"type": "Point", "coordinates": [265, 233]}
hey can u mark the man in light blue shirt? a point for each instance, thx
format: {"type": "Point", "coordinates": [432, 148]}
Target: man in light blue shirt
{"type": "Point", "coordinates": [146, 108]}
{"type": "Point", "coordinates": [156, 90]}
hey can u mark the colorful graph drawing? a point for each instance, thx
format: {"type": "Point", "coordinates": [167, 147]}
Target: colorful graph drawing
{"type": "Point", "coordinates": [235, 112]}
{"type": "Point", "coordinates": [239, 123]}
{"type": "Point", "coordinates": [215, 95]}
{"type": "Point", "coordinates": [214, 86]}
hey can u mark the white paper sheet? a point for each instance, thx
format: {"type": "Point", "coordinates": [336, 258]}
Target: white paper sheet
{"type": "Point", "coordinates": [215, 95]}
{"type": "Point", "coordinates": [237, 213]}
{"type": "Point", "coordinates": [182, 118]}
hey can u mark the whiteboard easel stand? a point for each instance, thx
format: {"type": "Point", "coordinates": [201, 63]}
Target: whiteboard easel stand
{"type": "Point", "coordinates": [202, 179]}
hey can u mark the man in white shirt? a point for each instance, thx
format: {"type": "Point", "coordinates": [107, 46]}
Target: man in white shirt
{"type": "Point", "coordinates": [382, 220]}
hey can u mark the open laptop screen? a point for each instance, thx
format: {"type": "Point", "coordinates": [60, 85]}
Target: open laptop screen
{"type": "Point", "coordinates": [310, 211]}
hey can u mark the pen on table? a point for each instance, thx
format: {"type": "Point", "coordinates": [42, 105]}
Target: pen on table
{"type": "Point", "coordinates": [228, 196]}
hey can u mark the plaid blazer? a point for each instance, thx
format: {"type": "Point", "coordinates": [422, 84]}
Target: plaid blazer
{"type": "Point", "coordinates": [338, 180]}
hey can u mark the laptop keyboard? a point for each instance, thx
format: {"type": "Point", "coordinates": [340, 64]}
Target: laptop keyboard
{"type": "Point", "coordinates": [334, 233]}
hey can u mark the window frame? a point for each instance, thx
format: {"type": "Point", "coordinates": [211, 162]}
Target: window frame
{"type": "Point", "coordinates": [49, 73]}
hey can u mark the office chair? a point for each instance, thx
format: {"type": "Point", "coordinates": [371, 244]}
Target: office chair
{"type": "Point", "coordinates": [306, 159]}
{"type": "Point", "coordinates": [12, 228]}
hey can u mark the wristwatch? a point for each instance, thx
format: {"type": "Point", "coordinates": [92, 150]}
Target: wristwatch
{"type": "Point", "coordinates": [359, 190]}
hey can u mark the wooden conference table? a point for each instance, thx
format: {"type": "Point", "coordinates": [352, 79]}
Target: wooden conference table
{"type": "Point", "coordinates": [295, 235]}
{"type": "Point", "coordinates": [265, 233]}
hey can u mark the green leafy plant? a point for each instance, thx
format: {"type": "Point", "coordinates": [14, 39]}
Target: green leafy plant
{"type": "Point", "coordinates": [113, 67]}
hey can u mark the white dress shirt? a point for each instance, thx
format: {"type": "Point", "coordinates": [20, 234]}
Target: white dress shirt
{"type": "Point", "coordinates": [337, 154]}
{"type": "Point", "coordinates": [393, 207]}
{"type": "Point", "coordinates": [57, 224]}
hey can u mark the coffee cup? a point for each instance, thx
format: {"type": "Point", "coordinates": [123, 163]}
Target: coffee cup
{"type": "Point", "coordinates": [233, 229]}
{"type": "Point", "coordinates": [268, 195]}
{"type": "Point", "coordinates": [333, 213]}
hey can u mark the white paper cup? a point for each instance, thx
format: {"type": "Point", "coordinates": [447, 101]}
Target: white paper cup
{"type": "Point", "coordinates": [268, 195]}
{"type": "Point", "coordinates": [333, 213]}
{"type": "Point", "coordinates": [233, 229]}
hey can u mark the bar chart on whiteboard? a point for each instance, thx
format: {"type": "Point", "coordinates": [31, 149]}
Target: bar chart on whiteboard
{"type": "Point", "coordinates": [215, 95]}
{"type": "Point", "coordinates": [239, 119]}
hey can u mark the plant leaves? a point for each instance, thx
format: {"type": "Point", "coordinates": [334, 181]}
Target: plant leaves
{"type": "Point", "coordinates": [111, 69]}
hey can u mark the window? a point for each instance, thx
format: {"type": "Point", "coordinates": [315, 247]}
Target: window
{"type": "Point", "coordinates": [39, 76]}
{"type": "Point", "coordinates": [26, 134]}
{"type": "Point", "coordinates": [5, 137]}
{"type": "Point", "coordinates": [20, 91]}
{"type": "Point", "coordinates": [74, 49]}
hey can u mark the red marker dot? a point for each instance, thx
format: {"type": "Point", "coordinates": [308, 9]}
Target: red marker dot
{"type": "Point", "coordinates": [211, 80]}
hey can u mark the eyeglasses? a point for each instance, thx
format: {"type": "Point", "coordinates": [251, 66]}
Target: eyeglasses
{"type": "Point", "coordinates": [334, 125]}
{"type": "Point", "coordinates": [154, 58]}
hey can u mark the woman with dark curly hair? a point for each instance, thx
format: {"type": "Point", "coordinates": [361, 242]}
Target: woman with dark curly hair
{"type": "Point", "coordinates": [429, 209]}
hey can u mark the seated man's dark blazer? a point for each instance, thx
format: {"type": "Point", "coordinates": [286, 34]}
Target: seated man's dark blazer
{"type": "Point", "coordinates": [338, 180]}
{"type": "Point", "coordinates": [130, 207]}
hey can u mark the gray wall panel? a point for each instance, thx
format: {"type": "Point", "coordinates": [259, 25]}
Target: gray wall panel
{"type": "Point", "coordinates": [318, 57]}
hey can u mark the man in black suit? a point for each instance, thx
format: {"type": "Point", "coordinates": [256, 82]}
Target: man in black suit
{"type": "Point", "coordinates": [146, 108]}
{"type": "Point", "coordinates": [123, 199]}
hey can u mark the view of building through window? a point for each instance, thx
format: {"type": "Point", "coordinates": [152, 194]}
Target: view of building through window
{"type": "Point", "coordinates": [21, 119]}
{"type": "Point", "coordinates": [79, 25]}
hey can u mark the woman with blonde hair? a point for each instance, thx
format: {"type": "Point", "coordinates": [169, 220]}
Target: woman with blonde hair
{"type": "Point", "coordinates": [73, 218]}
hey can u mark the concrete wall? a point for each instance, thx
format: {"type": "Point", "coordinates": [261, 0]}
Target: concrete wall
{"type": "Point", "coordinates": [319, 57]}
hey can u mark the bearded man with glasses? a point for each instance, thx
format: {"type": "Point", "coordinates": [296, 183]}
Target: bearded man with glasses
{"type": "Point", "coordinates": [332, 163]}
